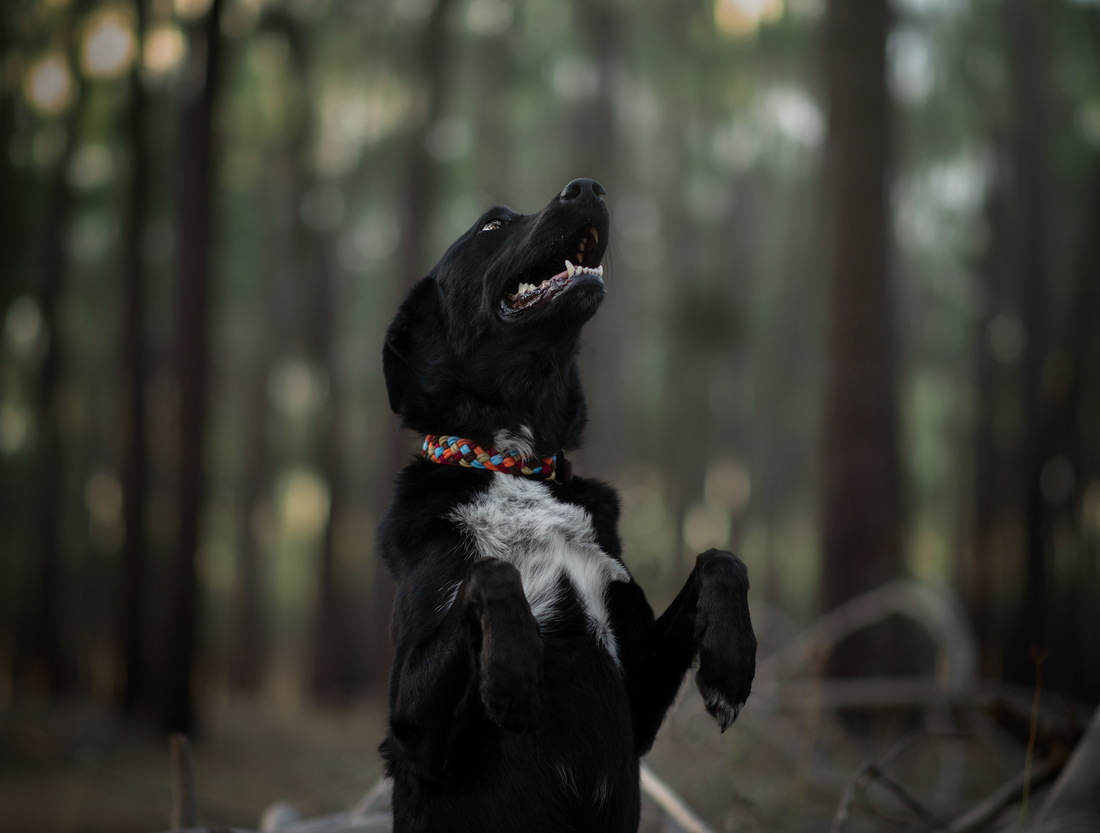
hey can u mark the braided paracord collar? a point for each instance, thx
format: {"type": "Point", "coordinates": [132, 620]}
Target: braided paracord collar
{"type": "Point", "coordinates": [463, 452]}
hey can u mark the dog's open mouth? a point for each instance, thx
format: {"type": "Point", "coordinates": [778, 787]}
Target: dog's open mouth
{"type": "Point", "coordinates": [524, 294]}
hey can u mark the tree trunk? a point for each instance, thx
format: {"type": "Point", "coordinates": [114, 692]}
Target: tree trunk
{"type": "Point", "coordinates": [421, 178]}
{"type": "Point", "coordinates": [198, 92]}
{"type": "Point", "coordinates": [1051, 395]}
{"type": "Point", "coordinates": [339, 670]}
{"type": "Point", "coordinates": [42, 657]}
{"type": "Point", "coordinates": [249, 639]}
{"type": "Point", "coordinates": [1067, 427]}
{"type": "Point", "coordinates": [988, 478]}
{"type": "Point", "coordinates": [41, 645]}
{"type": "Point", "coordinates": [861, 495]}
{"type": "Point", "coordinates": [134, 486]}
{"type": "Point", "coordinates": [1028, 115]}
{"type": "Point", "coordinates": [420, 188]}
{"type": "Point", "coordinates": [594, 143]}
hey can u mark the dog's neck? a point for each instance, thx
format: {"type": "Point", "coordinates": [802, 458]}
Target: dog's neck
{"type": "Point", "coordinates": [519, 389]}
{"type": "Point", "coordinates": [507, 401]}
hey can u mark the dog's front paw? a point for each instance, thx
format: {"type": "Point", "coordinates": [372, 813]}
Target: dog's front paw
{"type": "Point", "coordinates": [511, 672]}
{"type": "Point", "coordinates": [511, 650]}
{"type": "Point", "coordinates": [723, 635]}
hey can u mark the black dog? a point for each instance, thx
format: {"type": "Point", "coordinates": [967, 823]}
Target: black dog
{"type": "Point", "coordinates": [529, 674]}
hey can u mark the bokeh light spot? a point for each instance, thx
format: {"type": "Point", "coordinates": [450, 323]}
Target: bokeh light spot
{"type": "Point", "coordinates": [164, 50]}
{"type": "Point", "coordinates": [108, 48]}
{"type": "Point", "coordinates": [48, 84]}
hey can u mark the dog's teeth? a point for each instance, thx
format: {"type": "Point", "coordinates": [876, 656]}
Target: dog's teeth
{"type": "Point", "coordinates": [570, 268]}
{"type": "Point", "coordinates": [599, 271]}
{"type": "Point", "coordinates": [595, 234]}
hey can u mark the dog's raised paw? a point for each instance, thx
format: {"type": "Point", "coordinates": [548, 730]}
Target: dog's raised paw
{"type": "Point", "coordinates": [511, 676]}
{"type": "Point", "coordinates": [718, 705]}
{"type": "Point", "coordinates": [515, 710]}
{"type": "Point", "coordinates": [511, 662]}
{"type": "Point", "coordinates": [724, 637]}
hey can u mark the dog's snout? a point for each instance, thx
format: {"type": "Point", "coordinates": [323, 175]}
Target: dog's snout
{"type": "Point", "coordinates": [584, 190]}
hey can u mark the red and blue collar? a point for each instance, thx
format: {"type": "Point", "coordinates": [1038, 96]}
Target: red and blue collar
{"type": "Point", "coordinates": [459, 451]}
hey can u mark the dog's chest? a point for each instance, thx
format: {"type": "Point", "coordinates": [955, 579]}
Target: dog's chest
{"type": "Point", "coordinates": [521, 522]}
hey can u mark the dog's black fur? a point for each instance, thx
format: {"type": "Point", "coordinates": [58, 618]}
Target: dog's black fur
{"type": "Point", "coordinates": [529, 673]}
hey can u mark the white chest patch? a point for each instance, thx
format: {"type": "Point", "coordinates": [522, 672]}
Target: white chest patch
{"type": "Point", "coordinates": [519, 521]}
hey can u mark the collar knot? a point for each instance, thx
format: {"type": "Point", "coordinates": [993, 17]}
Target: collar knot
{"type": "Point", "coordinates": [459, 451]}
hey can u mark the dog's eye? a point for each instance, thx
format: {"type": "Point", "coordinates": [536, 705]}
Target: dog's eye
{"type": "Point", "coordinates": [492, 225]}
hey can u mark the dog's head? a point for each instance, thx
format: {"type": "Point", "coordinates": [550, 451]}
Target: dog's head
{"type": "Point", "coordinates": [488, 341]}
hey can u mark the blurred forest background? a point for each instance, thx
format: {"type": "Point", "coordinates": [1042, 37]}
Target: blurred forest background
{"type": "Point", "coordinates": [852, 329]}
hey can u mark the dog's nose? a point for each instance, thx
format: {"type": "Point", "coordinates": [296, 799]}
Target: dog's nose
{"type": "Point", "coordinates": [585, 190]}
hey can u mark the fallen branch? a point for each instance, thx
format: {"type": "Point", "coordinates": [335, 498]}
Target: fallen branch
{"type": "Point", "coordinates": [671, 803]}
{"type": "Point", "coordinates": [936, 612]}
{"type": "Point", "coordinates": [905, 797]}
{"type": "Point", "coordinates": [834, 694]}
{"type": "Point", "coordinates": [870, 772]}
{"type": "Point", "coordinates": [981, 814]}
{"type": "Point", "coordinates": [376, 800]}
{"type": "Point", "coordinates": [1076, 793]}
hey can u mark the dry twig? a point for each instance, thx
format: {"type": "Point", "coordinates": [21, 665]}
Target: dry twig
{"type": "Point", "coordinates": [185, 805]}
{"type": "Point", "coordinates": [1038, 657]}
{"type": "Point", "coordinates": [869, 772]}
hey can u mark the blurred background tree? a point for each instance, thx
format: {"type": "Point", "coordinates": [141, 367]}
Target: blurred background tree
{"type": "Point", "coordinates": [860, 503]}
{"type": "Point", "coordinates": [851, 330]}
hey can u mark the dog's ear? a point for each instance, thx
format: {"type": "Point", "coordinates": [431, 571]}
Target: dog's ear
{"type": "Point", "coordinates": [399, 348]}
{"type": "Point", "coordinates": [393, 368]}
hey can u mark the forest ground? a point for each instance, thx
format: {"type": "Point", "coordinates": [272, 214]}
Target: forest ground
{"type": "Point", "coordinates": [77, 769]}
